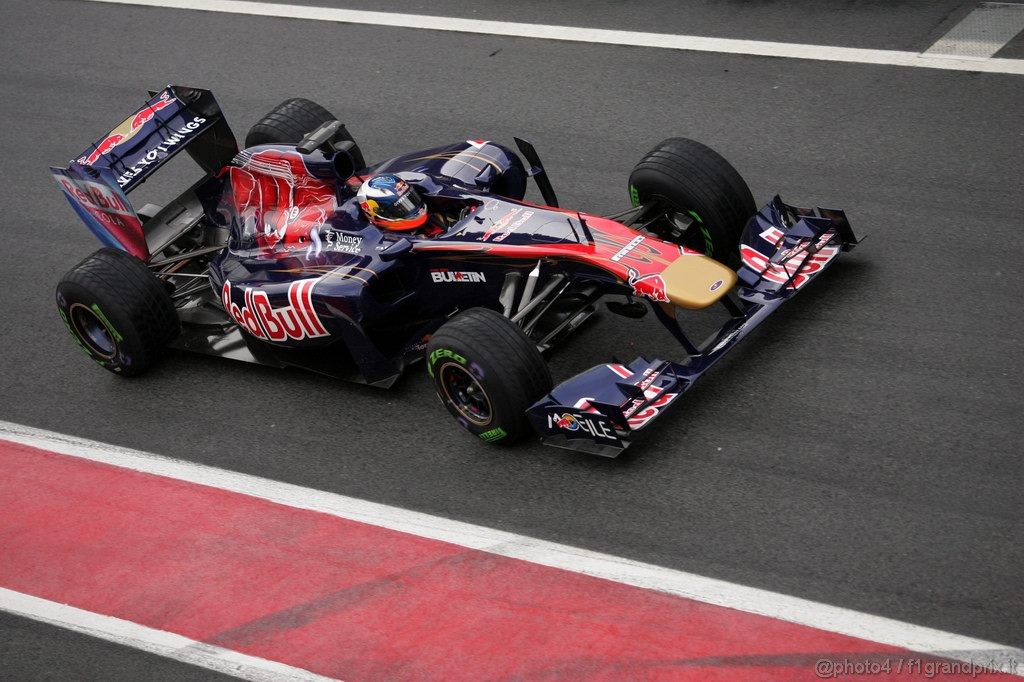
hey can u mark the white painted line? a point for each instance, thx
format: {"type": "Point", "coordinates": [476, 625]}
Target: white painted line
{"type": "Point", "coordinates": [589, 35]}
{"type": "Point", "coordinates": [154, 641]}
{"type": "Point", "coordinates": [647, 576]}
{"type": "Point", "coordinates": [982, 33]}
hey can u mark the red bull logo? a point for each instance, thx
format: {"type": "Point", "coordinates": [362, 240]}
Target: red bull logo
{"type": "Point", "coordinates": [103, 147]}
{"type": "Point", "coordinates": [127, 129]}
{"type": "Point", "coordinates": [594, 426]}
{"type": "Point", "coordinates": [651, 286]}
{"type": "Point", "coordinates": [149, 111]}
{"type": "Point", "coordinates": [568, 422]}
{"type": "Point", "coordinates": [108, 208]}
{"type": "Point", "coordinates": [297, 320]}
{"type": "Point", "coordinates": [94, 195]}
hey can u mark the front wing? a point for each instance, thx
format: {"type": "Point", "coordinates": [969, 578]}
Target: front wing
{"type": "Point", "coordinates": [783, 249]}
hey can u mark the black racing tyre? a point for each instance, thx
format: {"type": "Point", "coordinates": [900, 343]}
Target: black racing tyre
{"type": "Point", "coordinates": [692, 179]}
{"type": "Point", "coordinates": [487, 373]}
{"type": "Point", "coordinates": [118, 311]}
{"type": "Point", "coordinates": [292, 120]}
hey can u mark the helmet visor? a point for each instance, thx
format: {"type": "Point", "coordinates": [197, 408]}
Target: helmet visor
{"type": "Point", "coordinates": [407, 205]}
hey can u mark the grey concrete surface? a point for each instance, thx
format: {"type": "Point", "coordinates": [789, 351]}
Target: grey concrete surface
{"type": "Point", "coordinates": [37, 652]}
{"type": "Point", "coordinates": [888, 25]}
{"type": "Point", "coordinates": [862, 449]}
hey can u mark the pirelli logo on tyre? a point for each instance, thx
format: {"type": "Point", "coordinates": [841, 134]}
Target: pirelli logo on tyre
{"type": "Point", "coordinates": [493, 435]}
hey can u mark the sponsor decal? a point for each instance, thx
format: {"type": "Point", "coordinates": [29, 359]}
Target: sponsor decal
{"type": "Point", "coordinates": [726, 339]}
{"type": "Point", "coordinates": [441, 275]}
{"type": "Point", "coordinates": [621, 253]}
{"type": "Point", "coordinates": [109, 208]}
{"type": "Point", "coordinates": [651, 286]}
{"type": "Point", "coordinates": [597, 429]}
{"type": "Point", "coordinates": [160, 152]}
{"type": "Point", "coordinates": [420, 345]}
{"type": "Point", "coordinates": [639, 417]}
{"type": "Point", "coordinates": [127, 129]}
{"type": "Point", "coordinates": [445, 353]}
{"type": "Point", "coordinates": [295, 321]}
{"type": "Point", "coordinates": [515, 226]}
{"type": "Point", "coordinates": [273, 188]}
{"type": "Point", "coordinates": [717, 285]}
{"type": "Point", "coordinates": [649, 378]}
{"type": "Point", "coordinates": [773, 235]}
{"type": "Point", "coordinates": [439, 353]}
{"type": "Point", "coordinates": [640, 411]}
{"type": "Point", "coordinates": [503, 226]}
{"type": "Point", "coordinates": [477, 144]}
{"type": "Point", "coordinates": [567, 422]}
{"type": "Point", "coordinates": [343, 243]}
{"type": "Point", "coordinates": [95, 195]}
{"type": "Point", "coordinates": [793, 260]}
{"type": "Point", "coordinates": [295, 228]}
{"type": "Point", "coordinates": [634, 195]}
{"type": "Point", "coordinates": [493, 435]}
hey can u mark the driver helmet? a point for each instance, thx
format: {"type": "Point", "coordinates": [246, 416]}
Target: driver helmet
{"type": "Point", "coordinates": [391, 203]}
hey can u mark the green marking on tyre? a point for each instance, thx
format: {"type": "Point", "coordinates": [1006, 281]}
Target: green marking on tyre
{"type": "Point", "coordinates": [75, 336]}
{"type": "Point", "coordinates": [493, 435]}
{"type": "Point", "coordinates": [709, 246]}
{"type": "Point", "coordinates": [439, 353]}
{"type": "Point", "coordinates": [634, 195]}
{"type": "Point", "coordinates": [103, 318]}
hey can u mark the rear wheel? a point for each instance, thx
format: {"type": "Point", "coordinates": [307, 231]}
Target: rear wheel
{"type": "Point", "coordinates": [487, 373]}
{"type": "Point", "coordinates": [118, 311]}
{"type": "Point", "coordinates": [706, 203]}
{"type": "Point", "coordinates": [292, 120]}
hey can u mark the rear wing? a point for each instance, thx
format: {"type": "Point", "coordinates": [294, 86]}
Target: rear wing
{"type": "Point", "coordinates": [97, 181]}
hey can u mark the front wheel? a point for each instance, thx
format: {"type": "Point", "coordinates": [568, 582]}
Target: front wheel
{"type": "Point", "coordinates": [487, 373]}
{"type": "Point", "coordinates": [705, 201]}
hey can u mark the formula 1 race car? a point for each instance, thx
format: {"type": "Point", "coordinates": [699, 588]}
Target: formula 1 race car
{"type": "Point", "coordinates": [270, 258]}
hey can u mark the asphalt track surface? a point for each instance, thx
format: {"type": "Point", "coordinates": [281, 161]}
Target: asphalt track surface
{"type": "Point", "coordinates": [861, 449]}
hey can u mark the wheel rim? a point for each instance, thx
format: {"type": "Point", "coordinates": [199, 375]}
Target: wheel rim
{"type": "Point", "coordinates": [93, 331]}
{"type": "Point", "coordinates": [465, 393]}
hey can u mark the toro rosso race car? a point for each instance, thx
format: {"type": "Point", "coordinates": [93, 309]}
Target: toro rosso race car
{"type": "Point", "coordinates": [295, 252]}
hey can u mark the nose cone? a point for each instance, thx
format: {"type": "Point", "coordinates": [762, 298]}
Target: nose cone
{"type": "Point", "coordinates": [695, 282]}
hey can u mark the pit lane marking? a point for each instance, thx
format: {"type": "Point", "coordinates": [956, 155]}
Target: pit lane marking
{"type": "Point", "coordinates": [592, 35]}
{"type": "Point", "coordinates": [159, 642]}
{"type": "Point", "coordinates": [982, 33]}
{"type": "Point", "coordinates": [620, 570]}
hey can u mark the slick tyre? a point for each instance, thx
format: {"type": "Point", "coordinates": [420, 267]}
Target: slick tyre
{"type": "Point", "coordinates": [694, 184]}
{"type": "Point", "coordinates": [117, 311]}
{"type": "Point", "coordinates": [292, 120]}
{"type": "Point", "coordinates": [487, 373]}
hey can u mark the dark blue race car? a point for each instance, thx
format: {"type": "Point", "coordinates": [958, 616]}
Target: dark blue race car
{"type": "Point", "coordinates": [294, 252]}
